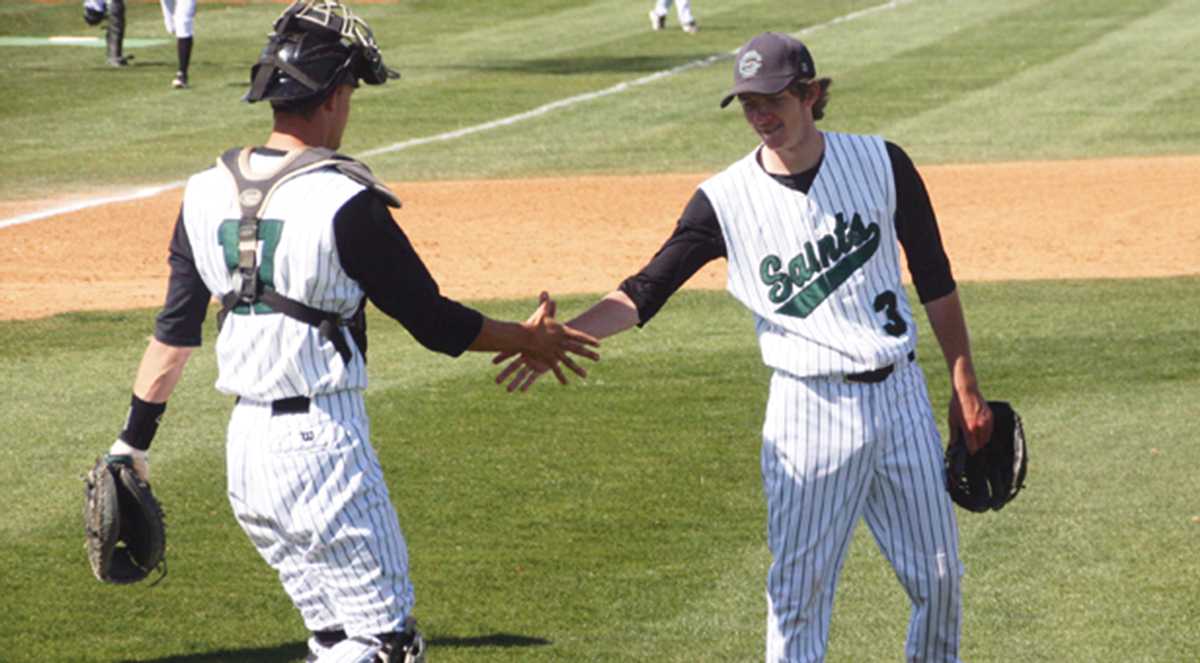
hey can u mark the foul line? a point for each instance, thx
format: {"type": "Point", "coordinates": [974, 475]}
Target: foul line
{"type": "Point", "coordinates": [467, 131]}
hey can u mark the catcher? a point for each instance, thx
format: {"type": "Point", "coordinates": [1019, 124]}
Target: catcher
{"type": "Point", "coordinates": [304, 239]}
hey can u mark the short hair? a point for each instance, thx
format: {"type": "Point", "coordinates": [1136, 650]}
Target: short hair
{"type": "Point", "coordinates": [305, 108]}
{"type": "Point", "coordinates": [802, 87]}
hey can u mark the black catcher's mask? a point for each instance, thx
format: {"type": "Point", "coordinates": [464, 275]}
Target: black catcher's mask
{"type": "Point", "coordinates": [315, 46]}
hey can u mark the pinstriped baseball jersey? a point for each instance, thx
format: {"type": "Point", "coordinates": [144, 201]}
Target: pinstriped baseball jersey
{"type": "Point", "coordinates": [263, 355]}
{"type": "Point", "coordinates": [819, 270]}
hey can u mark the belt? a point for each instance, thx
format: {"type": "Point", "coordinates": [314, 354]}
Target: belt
{"type": "Point", "coordinates": [293, 405]}
{"type": "Point", "coordinates": [876, 376]}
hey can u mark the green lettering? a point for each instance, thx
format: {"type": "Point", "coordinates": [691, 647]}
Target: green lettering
{"type": "Point", "coordinates": [829, 250]}
{"type": "Point", "coordinates": [808, 299]}
{"type": "Point", "coordinates": [780, 284]}
{"type": "Point", "coordinates": [839, 229]}
{"type": "Point", "coordinates": [860, 233]}
{"type": "Point", "coordinates": [801, 270]}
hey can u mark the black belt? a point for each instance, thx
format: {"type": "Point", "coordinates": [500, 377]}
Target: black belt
{"type": "Point", "coordinates": [293, 405]}
{"type": "Point", "coordinates": [877, 375]}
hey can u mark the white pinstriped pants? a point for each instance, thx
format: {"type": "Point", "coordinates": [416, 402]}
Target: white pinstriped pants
{"type": "Point", "coordinates": [834, 452]}
{"type": "Point", "coordinates": [683, 9]}
{"type": "Point", "coordinates": [309, 492]}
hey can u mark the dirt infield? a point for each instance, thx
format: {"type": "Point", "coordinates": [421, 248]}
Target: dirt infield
{"type": "Point", "coordinates": [484, 239]}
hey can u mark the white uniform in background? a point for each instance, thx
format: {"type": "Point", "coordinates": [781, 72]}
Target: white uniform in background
{"type": "Point", "coordinates": [179, 17]}
{"type": "Point", "coordinates": [683, 9]}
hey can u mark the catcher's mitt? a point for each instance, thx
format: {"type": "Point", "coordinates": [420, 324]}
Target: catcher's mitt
{"type": "Point", "coordinates": [995, 474]}
{"type": "Point", "coordinates": [126, 535]}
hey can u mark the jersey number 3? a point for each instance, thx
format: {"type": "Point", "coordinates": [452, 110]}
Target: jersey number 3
{"type": "Point", "coordinates": [886, 303]}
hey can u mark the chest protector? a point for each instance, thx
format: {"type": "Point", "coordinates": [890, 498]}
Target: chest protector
{"type": "Point", "coordinates": [254, 193]}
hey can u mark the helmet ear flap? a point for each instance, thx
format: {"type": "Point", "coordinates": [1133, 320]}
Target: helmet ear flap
{"type": "Point", "coordinates": [370, 67]}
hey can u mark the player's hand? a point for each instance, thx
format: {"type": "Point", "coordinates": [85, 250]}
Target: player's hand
{"type": "Point", "coordinates": [969, 412]}
{"type": "Point", "coordinates": [552, 344]}
{"type": "Point", "coordinates": [141, 459]}
{"type": "Point", "coordinates": [522, 372]}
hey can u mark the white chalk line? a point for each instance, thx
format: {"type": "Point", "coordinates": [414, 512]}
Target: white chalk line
{"type": "Point", "coordinates": [466, 131]}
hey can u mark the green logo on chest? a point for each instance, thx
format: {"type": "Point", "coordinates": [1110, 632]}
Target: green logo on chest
{"type": "Point", "coordinates": [820, 268]}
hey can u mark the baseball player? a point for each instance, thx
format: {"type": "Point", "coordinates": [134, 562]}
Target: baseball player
{"type": "Point", "coordinates": [293, 239]}
{"type": "Point", "coordinates": [95, 11]}
{"type": "Point", "coordinates": [178, 16]}
{"type": "Point", "coordinates": [683, 9]}
{"type": "Point", "coordinates": [811, 223]}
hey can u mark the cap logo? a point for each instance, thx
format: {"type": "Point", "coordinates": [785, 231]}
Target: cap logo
{"type": "Point", "coordinates": [750, 63]}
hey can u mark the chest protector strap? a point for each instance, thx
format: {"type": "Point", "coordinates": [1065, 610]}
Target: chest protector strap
{"type": "Point", "coordinates": [254, 192]}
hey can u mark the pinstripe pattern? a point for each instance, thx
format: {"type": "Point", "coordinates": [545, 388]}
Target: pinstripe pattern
{"type": "Point", "coordinates": [820, 271]}
{"type": "Point", "coordinates": [834, 452]}
{"type": "Point", "coordinates": [271, 356]}
{"type": "Point", "coordinates": [306, 488]}
{"type": "Point", "coordinates": [760, 217]}
{"type": "Point", "coordinates": [309, 492]}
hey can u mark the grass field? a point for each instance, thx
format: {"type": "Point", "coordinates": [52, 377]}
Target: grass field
{"type": "Point", "coordinates": [952, 81]}
{"type": "Point", "coordinates": [622, 518]}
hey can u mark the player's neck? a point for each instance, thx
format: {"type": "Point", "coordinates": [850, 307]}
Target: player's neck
{"type": "Point", "coordinates": [285, 142]}
{"type": "Point", "coordinates": [794, 159]}
{"type": "Point", "coordinates": [295, 132]}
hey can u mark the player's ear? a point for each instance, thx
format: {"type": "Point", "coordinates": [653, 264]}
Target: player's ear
{"type": "Point", "coordinates": [334, 97]}
{"type": "Point", "coordinates": [806, 90]}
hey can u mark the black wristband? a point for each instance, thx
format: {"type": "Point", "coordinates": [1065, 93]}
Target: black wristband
{"type": "Point", "coordinates": [142, 423]}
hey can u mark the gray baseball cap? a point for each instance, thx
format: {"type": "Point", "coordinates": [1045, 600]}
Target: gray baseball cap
{"type": "Point", "coordinates": [768, 63]}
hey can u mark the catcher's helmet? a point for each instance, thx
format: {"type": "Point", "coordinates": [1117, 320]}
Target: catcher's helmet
{"type": "Point", "coordinates": [315, 46]}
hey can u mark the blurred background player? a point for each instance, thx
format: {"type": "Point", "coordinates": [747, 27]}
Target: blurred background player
{"type": "Point", "coordinates": [94, 11]}
{"type": "Point", "coordinates": [179, 16]}
{"type": "Point", "coordinates": [683, 8]}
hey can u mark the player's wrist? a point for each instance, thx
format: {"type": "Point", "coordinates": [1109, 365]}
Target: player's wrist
{"type": "Point", "coordinates": [141, 424]}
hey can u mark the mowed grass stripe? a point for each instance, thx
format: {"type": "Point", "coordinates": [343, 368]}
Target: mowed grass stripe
{"type": "Point", "coordinates": [1042, 110]}
{"type": "Point", "coordinates": [923, 73]}
{"type": "Point", "coordinates": [986, 54]}
{"type": "Point", "coordinates": [667, 125]}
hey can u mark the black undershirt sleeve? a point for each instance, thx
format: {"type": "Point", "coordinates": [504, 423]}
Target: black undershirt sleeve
{"type": "Point", "coordinates": [917, 229]}
{"type": "Point", "coordinates": [375, 252]}
{"type": "Point", "coordinates": [180, 321]}
{"type": "Point", "coordinates": [697, 240]}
